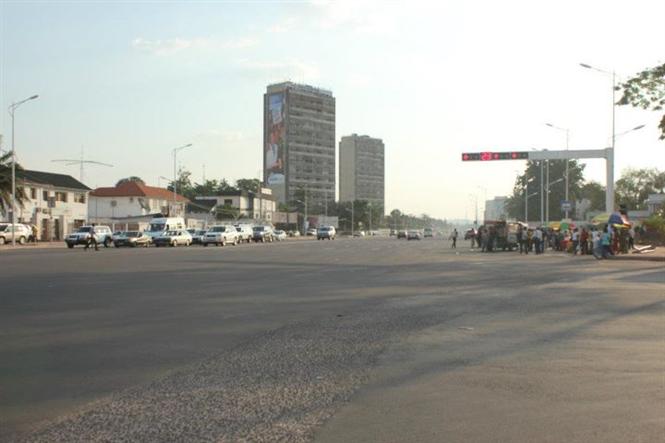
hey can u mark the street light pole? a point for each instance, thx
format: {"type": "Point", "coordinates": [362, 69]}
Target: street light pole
{"type": "Point", "coordinates": [567, 131]}
{"type": "Point", "coordinates": [609, 163]}
{"type": "Point", "coordinates": [175, 178]}
{"type": "Point", "coordinates": [12, 110]}
{"type": "Point", "coordinates": [542, 200]}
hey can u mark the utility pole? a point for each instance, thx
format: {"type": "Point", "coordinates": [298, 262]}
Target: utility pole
{"type": "Point", "coordinates": [12, 110]}
{"type": "Point", "coordinates": [542, 189]}
{"type": "Point", "coordinates": [352, 220]}
{"type": "Point", "coordinates": [547, 192]}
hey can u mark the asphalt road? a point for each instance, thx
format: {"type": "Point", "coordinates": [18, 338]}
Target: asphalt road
{"type": "Point", "coordinates": [337, 341]}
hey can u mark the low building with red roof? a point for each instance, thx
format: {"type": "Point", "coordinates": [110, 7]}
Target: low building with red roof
{"type": "Point", "coordinates": [133, 199]}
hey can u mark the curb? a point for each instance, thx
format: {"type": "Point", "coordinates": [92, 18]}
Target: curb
{"type": "Point", "coordinates": [646, 257]}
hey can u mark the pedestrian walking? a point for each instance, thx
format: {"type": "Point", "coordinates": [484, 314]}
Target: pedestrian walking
{"type": "Point", "coordinates": [453, 236]}
{"type": "Point", "coordinates": [576, 240]}
{"type": "Point", "coordinates": [584, 242]}
{"type": "Point", "coordinates": [529, 240]}
{"type": "Point", "coordinates": [485, 239]}
{"type": "Point", "coordinates": [605, 243]}
{"type": "Point", "coordinates": [520, 241]}
{"type": "Point", "coordinates": [631, 238]}
{"type": "Point", "coordinates": [537, 239]}
{"type": "Point", "coordinates": [92, 240]}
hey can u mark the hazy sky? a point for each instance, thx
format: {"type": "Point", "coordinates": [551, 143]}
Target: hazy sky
{"type": "Point", "coordinates": [128, 81]}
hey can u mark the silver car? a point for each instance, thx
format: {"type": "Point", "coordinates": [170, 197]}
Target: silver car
{"type": "Point", "coordinates": [221, 235]}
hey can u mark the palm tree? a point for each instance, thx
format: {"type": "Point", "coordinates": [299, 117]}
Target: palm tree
{"type": "Point", "coordinates": [6, 184]}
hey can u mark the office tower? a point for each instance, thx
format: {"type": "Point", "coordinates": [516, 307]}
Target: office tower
{"type": "Point", "coordinates": [362, 169]}
{"type": "Point", "coordinates": [299, 144]}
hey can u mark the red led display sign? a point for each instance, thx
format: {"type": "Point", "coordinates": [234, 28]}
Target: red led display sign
{"type": "Point", "coordinates": [489, 156]}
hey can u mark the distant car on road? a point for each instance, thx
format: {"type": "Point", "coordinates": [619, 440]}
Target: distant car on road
{"type": "Point", "coordinates": [244, 233]}
{"type": "Point", "coordinates": [280, 235]}
{"type": "Point", "coordinates": [324, 232]}
{"type": "Point", "coordinates": [428, 232]}
{"type": "Point", "coordinates": [132, 239]}
{"type": "Point", "coordinates": [293, 233]}
{"type": "Point", "coordinates": [173, 238]}
{"type": "Point", "coordinates": [401, 233]}
{"type": "Point", "coordinates": [414, 234]}
{"type": "Point", "coordinates": [197, 235]}
{"type": "Point", "coordinates": [311, 231]}
{"type": "Point", "coordinates": [359, 234]}
{"type": "Point", "coordinates": [103, 235]}
{"type": "Point", "coordinates": [263, 233]}
{"type": "Point", "coordinates": [221, 235]}
{"type": "Point", "coordinates": [21, 233]}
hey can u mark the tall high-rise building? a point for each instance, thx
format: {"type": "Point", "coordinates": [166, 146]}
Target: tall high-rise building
{"type": "Point", "coordinates": [299, 144]}
{"type": "Point", "coordinates": [361, 169]}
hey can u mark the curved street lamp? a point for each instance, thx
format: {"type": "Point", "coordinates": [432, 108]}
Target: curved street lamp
{"type": "Point", "coordinates": [12, 110]}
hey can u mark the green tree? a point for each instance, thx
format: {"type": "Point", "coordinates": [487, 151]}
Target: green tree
{"type": "Point", "coordinates": [227, 211]}
{"type": "Point", "coordinates": [557, 168]}
{"type": "Point", "coordinates": [224, 188]}
{"type": "Point", "coordinates": [635, 185]}
{"type": "Point", "coordinates": [133, 178]}
{"type": "Point", "coordinates": [184, 184]}
{"type": "Point", "coordinates": [208, 187]}
{"type": "Point", "coordinates": [646, 90]}
{"type": "Point", "coordinates": [6, 184]}
{"type": "Point", "coordinates": [595, 193]}
{"type": "Point", "coordinates": [248, 184]}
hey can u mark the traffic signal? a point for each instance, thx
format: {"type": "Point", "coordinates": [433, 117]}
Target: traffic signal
{"type": "Point", "coordinates": [488, 156]}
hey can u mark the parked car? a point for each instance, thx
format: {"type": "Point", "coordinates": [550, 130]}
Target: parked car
{"type": "Point", "coordinates": [393, 232]}
{"type": "Point", "coordinates": [82, 235]}
{"type": "Point", "coordinates": [359, 234]}
{"type": "Point", "coordinates": [161, 225]}
{"type": "Point", "coordinates": [132, 239]}
{"type": "Point", "coordinates": [280, 235]}
{"type": "Point", "coordinates": [116, 234]}
{"type": "Point", "coordinates": [21, 233]}
{"type": "Point", "coordinates": [197, 235]}
{"type": "Point", "coordinates": [401, 233]}
{"type": "Point", "coordinates": [294, 233]}
{"type": "Point", "coordinates": [263, 233]}
{"type": "Point", "coordinates": [328, 232]}
{"type": "Point", "coordinates": [311, 232]}
{"type": "Point", "coordinates": [414, 234]}
{"type": "Point", "coordinates": [173, 238]}
{"type": "Point", "coordinates": [244, 233]}
{"type": "Point", "coordinates": [221, 235]}
{"type": "Point", "coordinates": [428, 232]}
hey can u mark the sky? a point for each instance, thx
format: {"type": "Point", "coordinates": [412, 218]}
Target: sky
{"type": "Point", "coordinates": [125, 82]}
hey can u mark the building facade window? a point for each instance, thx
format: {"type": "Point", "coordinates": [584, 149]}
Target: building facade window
{"type": "Point", "coordinates": [61, 197]}
{"type": "Point", "coordinates": [45, 195]}
{"type": "Point", "coordinates": [33, 194]}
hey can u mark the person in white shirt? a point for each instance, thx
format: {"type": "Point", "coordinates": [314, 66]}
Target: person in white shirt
{"type": "Point", "coordinates": [538, 240]}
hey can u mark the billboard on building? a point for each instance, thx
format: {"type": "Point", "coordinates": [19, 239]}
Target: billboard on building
{"type": "Point", "coordinates": [275, 142]}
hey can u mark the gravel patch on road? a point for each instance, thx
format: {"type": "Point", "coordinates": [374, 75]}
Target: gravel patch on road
{"type": "Point", "coordinates": [280, 386]}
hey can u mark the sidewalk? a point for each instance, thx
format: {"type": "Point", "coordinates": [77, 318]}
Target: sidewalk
{"type": "Point", "coordinates": [656, 255]}
{"type": "Point", "coordinates": [39, 245]}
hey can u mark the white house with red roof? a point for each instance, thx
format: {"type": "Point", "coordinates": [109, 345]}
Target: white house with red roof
{"type": "Point", "coordinates": [133, 200]}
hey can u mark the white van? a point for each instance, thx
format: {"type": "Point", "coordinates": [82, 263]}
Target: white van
{"type": "Point", "coordinates": [161, 225]}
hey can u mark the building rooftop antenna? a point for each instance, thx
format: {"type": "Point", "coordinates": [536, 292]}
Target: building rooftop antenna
{"type": "Point", "coordinates": [81, 162]}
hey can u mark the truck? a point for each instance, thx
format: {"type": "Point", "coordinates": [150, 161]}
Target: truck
{"type": "Point", "coordinates": [503, 234]}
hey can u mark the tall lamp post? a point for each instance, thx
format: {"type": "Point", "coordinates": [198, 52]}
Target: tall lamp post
{"type": "Point", "coordinates": [567, 131]}
{"type": "Point", "coordinates": [175, 178]}
{"type": "Point", "coordinates": [12, 110]}
{"type": "Point", "coordinates": [526, 199]}
{"type": "Point", "coordinates": [609, 194]}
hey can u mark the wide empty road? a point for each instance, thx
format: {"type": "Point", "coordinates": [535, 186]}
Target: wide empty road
{"type": "Point", "coordinates": [372, 340]}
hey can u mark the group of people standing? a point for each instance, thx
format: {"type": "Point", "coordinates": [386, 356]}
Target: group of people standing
{"type": "Point", "coordinates": [610, 240]}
